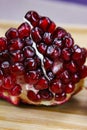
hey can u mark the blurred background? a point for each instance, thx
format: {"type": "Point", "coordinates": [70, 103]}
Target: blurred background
{"type": "Point", "coordinates": [61, 11]}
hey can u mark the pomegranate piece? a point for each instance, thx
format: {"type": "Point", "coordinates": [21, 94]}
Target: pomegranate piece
{"type": "Point", "coordinates": [40, 63]}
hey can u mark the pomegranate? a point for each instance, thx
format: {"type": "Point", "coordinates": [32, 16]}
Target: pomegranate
{"type": "Point", "coordinates": [40, 63]}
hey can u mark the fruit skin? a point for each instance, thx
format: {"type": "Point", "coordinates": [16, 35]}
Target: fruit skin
{"type": "Point", "coordinates": [25, 77]}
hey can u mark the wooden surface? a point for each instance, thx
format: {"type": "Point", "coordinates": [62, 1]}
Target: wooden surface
{"type": "Point", "coordinates": [69, 116]}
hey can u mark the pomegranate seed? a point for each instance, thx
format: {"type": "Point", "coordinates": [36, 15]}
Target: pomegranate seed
{"type": "Point", "coordinates": [8, 82]}
{"type": "Point", "coordinates": [42, 48]}
{"type": "Point", "coordinates": [32, 96]}
{"type": "Point", "coordinates": [75, 78]}
{"type": "Point", "coordinates": [16, 90]}
{"type": "Point", "coordinates": [45, 94]}
{"type": "Point", "coordinates": [30, 64]}
{"type": "Point", "coordinates": [59, 33]}
{"type": "Point", "coordinates": [47, 38]}
{"type": "Point", "coordinates": [66, 55]}
{"type": "Point", "coordinates": [42, 84]}
{"type": "Point", "coordinates": [53, 52]}
{"type": "Point", "coordinates": [65, 77]}
{"type": "Point", "coordinates": [36, 34]}
{"type": "Point", "coordinates": [32, 17]}
{"type": "Point", "coordinates": [58, 42]}
{"type": "Point", "coordinates": [48, 63]}
{"type": "Point", "coordinates": [17, 68]}
{"type": "Point", "coordinates": [24, 30]}
{"type": "Point", "coordinates": [32, 77]}
{"type": "Point", "coordinates": [77, 53]}
{"type": "Point", "coordinates": [28, 41]}
{"type": "Point", "coordinates": [56, 86]}
{"type": "Point", "coordinates": [68, 41]}
{"type": "Point", "coordinates": [15, 44]}
{"type": "Point", "coordinates": [44, 23]}
{"type": "Point", "coordinates": [28, 51]}
{"type": "Point", "coordinates": [60, 97]}
{"type": "Point", "coordinates": [71, 66]}
{"type": "Point", "coordinates": [12, 33]}
{"type": "Point", "coordinates": [5, 66]}
{"type": "Point", "coordinates": [51, 27]}
{"type": "Point", "coordinates": [83, 71]}
{"type": "Point", "coordinates": [17, 56]}
{"type": "Point", "coordinates": [69, 88]}
{"type": "Point", "coordinates": [3, 44]}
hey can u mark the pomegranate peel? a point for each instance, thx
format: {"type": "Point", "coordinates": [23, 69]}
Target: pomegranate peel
{"type": "Point", "coordinates": [40, 63]}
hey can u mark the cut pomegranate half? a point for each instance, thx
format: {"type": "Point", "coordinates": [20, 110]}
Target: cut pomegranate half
{"type": "Point", "coordinates": [40, 63]}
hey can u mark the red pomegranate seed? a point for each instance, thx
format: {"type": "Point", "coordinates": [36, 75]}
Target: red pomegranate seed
{"type": "Point", "coordinates": [68, 41]}
{"type": "Point", "coordinates": [77, 53]}
{"type": "Point", "coordinates": [42, 84]}
{"type": "Point", "coordinates": [56, 86]}
{"type": "Point", "coordinates": [51, 27]}
{"type": "Point", "coordinates": [66, 55]}
{"type": "Point", "coordinates": [53, 52]}
{"type": "Point", "coordinates": [48, 63]}
{"type": "Point", "coordinates": [33, 96]}
{"type": "Point", "coordinates": [71, 66]}
{"type": "Point", "coordinates": [32, 77]}
{"type": "Point", "coordinates": [75, 78]}
{"type": "Point", "coordinates": [60, 97]}
{"type": "Point", "coordinates": [42, 48]}
{"type": "Point", "coordinates": [45, 94]}
{"type": "Point", "coordinates": [32, 17]}
{"type": "Point", "coordinates": [36, 34]}
{"type": "Point", "coordinates": [28, 51]}
{"type": "Point", "coordinates": [17, 68]}
{"type": "Point", "coordinates": [15, 44]}
{"type": "Point", "coordinates": [47, 38]}
{"type": "Point", "coordinates": [30, 64]}
{"type": "Point", "coordinates": [5, 66]}
{"type": "Point", "coordinates": [17, 56]}
{"type": "Point", "coordinates": [12, 33]}
{"type": "Point", "coordinates": [59, 33]}
{"type": "Point", "coordinates": [58, 42]}
{"type": "Point", "coordinates": [83, 71]}
{"type": "Point", "coordinates": [8, 82]}
{"type": "Point", "coordinates": [65, 77]}
{"type": "Point", "coordinates": [50, 75]}
{"type": "Point", "coordinates": [24, 30]}
{"type": "Point", "coordinates": [28, 41]}
{"type": "Point", "coordinates": [16, 90]}
{"type": "Point", "coordinates": [69, 88]}
{"type": "Point", "coordinates": [3, 44]}
{"type": "Point", "coordinates": [44, 23]}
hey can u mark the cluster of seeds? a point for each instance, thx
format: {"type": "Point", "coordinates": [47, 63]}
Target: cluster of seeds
{"type": "Point", "coordinates": [44, 56]}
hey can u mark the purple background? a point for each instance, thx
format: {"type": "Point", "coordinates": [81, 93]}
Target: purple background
{"type": "Point", "coordinates": [84, 2]}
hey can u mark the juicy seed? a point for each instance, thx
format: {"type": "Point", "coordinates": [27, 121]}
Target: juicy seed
{"type": "Point", "coordinates": [3, 43]}
{"type": "Point", "coordinates": [45, 94]}
{"type": "Point", "coordinates": [24, 30]}
{"type": "Point", "coordinates": [12, 33]}
{"type": "Point", "coordinates": [36, 34]}
{"type": "Point", "coordinates": [56, 86]}
{"type": "Point", "coordinates": [44, 23]}
{"type": "Point", "coordinates": [60, 97]}
{"type": "Point", "coordinates": [33, 96]}
{"type": "Point", "coordinates": [16, 90]}
{"type": "Point", "coordinates": [28, 51]}
{"type": "Point", "coordinates": [42, 48]}
{"type": "Point", "coordinates": [42, 84]}
{"type": "Point", "coordinates": [69, 88]}
{"type": "Point", "coordinates": [32, 17]}
{"type": "Point", "coordinates": [47, 38]}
